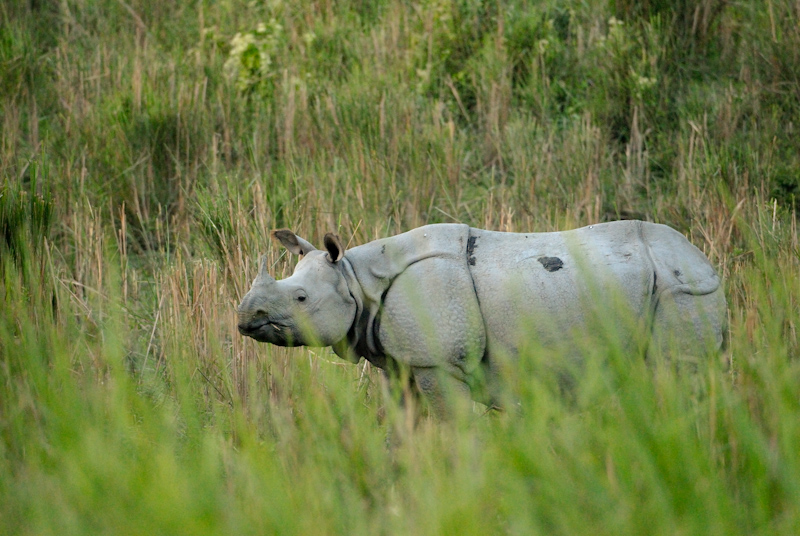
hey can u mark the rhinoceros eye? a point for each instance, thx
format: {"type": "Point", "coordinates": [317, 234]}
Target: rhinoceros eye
{"type": "Point", "coordinates": [300, 296]}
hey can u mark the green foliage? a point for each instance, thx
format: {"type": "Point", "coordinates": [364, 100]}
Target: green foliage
{"type": "Point", "coordinates": [147, 148]}
{"type": "Point", "coordinates": [253, 61]}
{"type": "Point", "coordinates": [25, 222]}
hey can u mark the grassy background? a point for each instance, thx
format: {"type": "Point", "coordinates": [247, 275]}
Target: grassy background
{"type": "Point", "coordinates": [147, 147]}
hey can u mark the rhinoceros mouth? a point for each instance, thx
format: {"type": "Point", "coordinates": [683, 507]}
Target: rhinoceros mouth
{"type": "Point", "coordinates": [266, 330]}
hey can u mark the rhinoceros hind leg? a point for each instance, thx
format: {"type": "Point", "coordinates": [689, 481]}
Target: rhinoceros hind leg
{"type": "Point", "coordinates": [688, 327]}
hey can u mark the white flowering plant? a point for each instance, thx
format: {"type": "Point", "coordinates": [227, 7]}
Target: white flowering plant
{"type": "Point", "coordinates": [254, 57]}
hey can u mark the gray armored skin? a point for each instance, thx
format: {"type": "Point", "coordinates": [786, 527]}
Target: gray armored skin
{"type": "Point", "coordinates": [451, 304]}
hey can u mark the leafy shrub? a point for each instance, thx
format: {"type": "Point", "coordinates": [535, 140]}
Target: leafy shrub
{"type": "Point", "coordinates": [25, 221]}
{"type": "Point", "coordinates": [254, 58]}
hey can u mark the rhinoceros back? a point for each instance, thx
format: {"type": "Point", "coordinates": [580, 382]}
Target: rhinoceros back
{"type": "Point", "coordinates": [545, 287]}
{"type": "Point", "coordinates": [552, 289]}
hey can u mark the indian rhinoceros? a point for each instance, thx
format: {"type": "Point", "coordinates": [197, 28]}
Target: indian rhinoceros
{"type": "Point", "coordinates": [449, 303]}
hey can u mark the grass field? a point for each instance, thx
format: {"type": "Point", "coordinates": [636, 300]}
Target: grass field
{"type": "Point", "coordinates": [147, 148]}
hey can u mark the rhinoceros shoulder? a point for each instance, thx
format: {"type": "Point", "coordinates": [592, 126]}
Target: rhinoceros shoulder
{"type": "Point", "coordinates": [377, 264]}
{"type": "Point", "coordinates": [384, 259]}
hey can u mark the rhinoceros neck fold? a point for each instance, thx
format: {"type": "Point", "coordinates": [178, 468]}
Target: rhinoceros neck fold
{"type": "Point", "coordinates": [370, 270]}
{"type": "Point", "coordinates": [359, 341]}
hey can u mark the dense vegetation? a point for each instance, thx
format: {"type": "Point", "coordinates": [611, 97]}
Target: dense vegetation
{"type": "Point", "coordinates": [148, 146]}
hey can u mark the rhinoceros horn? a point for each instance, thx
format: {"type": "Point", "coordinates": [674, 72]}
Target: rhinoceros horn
{"type": "Point", "coordinates": [263, 273]}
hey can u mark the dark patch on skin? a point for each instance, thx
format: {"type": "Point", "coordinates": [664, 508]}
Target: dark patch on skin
{"type": "Point", "coordinates": [655, 283]}
{"type": "Point", "coordinates": [383, 249]}
{"type": "Point", "coordinates": [471, 249]}
{"type": "Point", "coordinates": [471, 244]}
{"type": "Point", "coordinates": [677, 273]}
{"type": "Point", "coordinates": [551, 264]}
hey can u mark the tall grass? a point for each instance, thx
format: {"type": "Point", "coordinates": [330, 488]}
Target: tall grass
{"type": "Point", "coordinates": [146, 150]}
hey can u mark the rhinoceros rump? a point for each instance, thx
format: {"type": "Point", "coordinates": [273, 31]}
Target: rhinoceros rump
{"type": "Point", "coordinates": [450, 303]}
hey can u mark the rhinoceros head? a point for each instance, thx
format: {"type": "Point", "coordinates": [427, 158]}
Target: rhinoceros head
{"type": "Point", "coordinates": [313, 307]}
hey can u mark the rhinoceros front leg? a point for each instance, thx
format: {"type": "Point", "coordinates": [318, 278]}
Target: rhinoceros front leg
{"type": "Point", "coordinates": [446, 395]}
{"type": "Point", "coordinates": [431, 323]}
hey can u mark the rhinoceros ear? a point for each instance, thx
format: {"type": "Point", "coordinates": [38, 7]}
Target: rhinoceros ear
{"type": "Point", "coordinates": [292, 242]}
{"type": "Point", "coordinates": [334, 246]}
